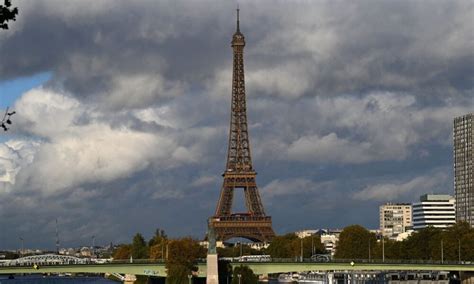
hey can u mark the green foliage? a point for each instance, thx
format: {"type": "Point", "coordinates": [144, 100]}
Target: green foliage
{"type": "Point", "coordinates": [289, 246]}
{"type": "Point", "coordinates": [283, 246]}
{"type": "Point", "coordinates": [224, 271]}
{"type": "Point", "coordinates": [457, 242]}
{"type": "Point", "coordinates": [354, 242]}
{"type": "Point", "coordinates": [247, 275]}
{"type": "Point", "coordinates": [139, 247]}
{"type": "Point", "coordinates": [182, 259]}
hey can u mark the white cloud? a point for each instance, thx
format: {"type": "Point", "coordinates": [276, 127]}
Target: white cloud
{"type": "Point", "coordinates": [140, 90]}
{"type": "Point", "coordinates": [329, 148]}
{"type": "Point", "coordinates": [204, 181]}
{"type": "Point", "coordinates": [407, 190]}
{"type": "Point", "coordinates": [294, 186]}
{"type": "Point", "coordinates": [81, 147]}
{"type": "Point", "coordinates": [15, 154]}
{"type": "Point", "coordinates": [353, 130]}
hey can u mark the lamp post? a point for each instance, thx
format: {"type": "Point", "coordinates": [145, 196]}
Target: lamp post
{"type": "Point", "coordinates": [240, 249]}
{"type": "Point", "coordinates": [459, 250]}
{"type": "Point", "coordinates": [312, 245]}
{"type": "Point", "coordinates": [301, 256]}
{"type": "Point", "coordinates": [383, 249]}
{"type": "Point", "coordinates": [93, 245]}
{"type": "Point", "coordinates": [190, 277]}
{"type": "Point", "coordinates": [22, 252]}
{"type": "Point", "coordinates": [240, 278]}
{"type": "Point", "coordinates": [162, 251]}
{"type": "Point", "coordinates": [369, 249]}
{"type": "Point", "coordinates": [442, 252]}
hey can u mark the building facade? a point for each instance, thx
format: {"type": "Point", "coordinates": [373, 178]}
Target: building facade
{"type": "Point", "coordinates": [463, 136]}
{"type": "Point", "coordinates": [436, 210]}
{"type": "Point", "coordinates": [395, 218]}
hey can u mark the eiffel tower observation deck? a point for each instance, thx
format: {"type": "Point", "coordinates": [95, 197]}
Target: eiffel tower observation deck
{"type": "Point", "coordinates": [239, 174]}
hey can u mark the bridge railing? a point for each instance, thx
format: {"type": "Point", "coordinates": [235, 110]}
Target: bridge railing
{"type": "Point", "coordinates": [363, 261]}
{"type": "Point", "coordinates": [85, 261]}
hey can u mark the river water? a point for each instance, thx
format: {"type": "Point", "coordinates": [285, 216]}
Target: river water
{"type": "Point", "coordinates": [54, 280]}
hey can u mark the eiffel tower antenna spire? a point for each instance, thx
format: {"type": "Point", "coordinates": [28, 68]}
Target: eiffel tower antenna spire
{"type": "Point", "coordinates": [238, 20]}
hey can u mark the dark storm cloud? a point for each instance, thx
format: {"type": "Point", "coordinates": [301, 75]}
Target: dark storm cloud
{"type": "Point", "coordinates": [347, 101]}
{"type": "Point", "coordinates": [335, 47]}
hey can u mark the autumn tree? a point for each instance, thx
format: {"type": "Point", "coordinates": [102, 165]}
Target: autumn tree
{"type": "Point", "coordinates": [182, 259]}
{"type": "Point", "coordinates": [123, 252]}
{"type": "Point", "coordinates": [157, 245]}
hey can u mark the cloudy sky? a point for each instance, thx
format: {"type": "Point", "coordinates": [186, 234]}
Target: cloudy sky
{"type": "Point", "coordinates": [123, 112]}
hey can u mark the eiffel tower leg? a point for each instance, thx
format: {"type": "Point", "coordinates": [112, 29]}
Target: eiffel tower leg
{"type": "Point", "coordinates": [253, 201]}
{"type": "Point", "coordinates": [224, 207]}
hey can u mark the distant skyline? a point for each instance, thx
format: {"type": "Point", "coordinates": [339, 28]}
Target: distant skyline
{"type": "Point", "coordinates": [123, 112]}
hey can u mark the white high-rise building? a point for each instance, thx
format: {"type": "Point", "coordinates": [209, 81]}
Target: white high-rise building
{"type": "Point", "coordinates": [395, 218]}
{"type": "Point", "coordinates": [437, 210]}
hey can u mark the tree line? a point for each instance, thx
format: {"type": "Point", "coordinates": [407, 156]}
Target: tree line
{"type": "Point", "coordinates": [181, 255]}
{"type": "Point", "coordinates": [429, 244]}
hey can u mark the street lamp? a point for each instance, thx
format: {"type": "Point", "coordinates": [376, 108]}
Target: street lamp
{"type": "Point", "coordinates": [162, 251]}
{"type": "Point", "coordinates": [22, 252]}
{"type": "Point", "coordinates": [93, 245]}
{"type": "Point", "coordinates": [459, 250]}
{"type": "Point", "coordinates": [190, 277]}
{"type": "Point", "coordinates": [369, 249]}
{"type": "Point", "coordinates": [301, 249]}
{"type": "Point", "coordinates": [240, 278]}
{"type": "Point", "coordinates": [442, 252]}
{"type": "Point", "coordinates": [383, 249]}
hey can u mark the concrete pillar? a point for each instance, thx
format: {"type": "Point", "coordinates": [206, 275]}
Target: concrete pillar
{"type": "Point", "coordinates": [212, 270]}
{"type": "Point", "coordinates": [468, 280]}
{"type": "Point", "coordinates": [129, 279]}
{"type": "Point", "coordinates": [330, 277]}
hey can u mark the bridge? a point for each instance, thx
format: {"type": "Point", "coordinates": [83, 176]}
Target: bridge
{"type": "Point", "coordinates": [55, 264]}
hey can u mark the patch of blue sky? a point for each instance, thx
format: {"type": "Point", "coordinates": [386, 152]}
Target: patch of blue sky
{"type": "Point", "coordinates": [11, 90]}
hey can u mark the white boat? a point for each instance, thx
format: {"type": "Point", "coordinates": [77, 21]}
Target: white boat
{"type": "Point", "coordinates": [319, 278]}
{"type": "Point", "coordinates": [285, 278]}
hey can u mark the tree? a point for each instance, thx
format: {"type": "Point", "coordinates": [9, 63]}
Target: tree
{"type": "Point", "coordinates": [123, 252]}
{"type": "Point", "coordinates": [458, 242]}
{"type": "Point", "coordinates": [283, 247]}
{"type": "Point", "coordinates": [354, 242]}
{"type": "Point", "coordinates": [159, 236]}
{"type": "Point", "coordinates": [157, 245]}
{"type": "Point", "coordinates": [7, 14]}
{"type": "Point", "coordinates": [182, 259]}
{"type": "Point", "coordinates": [224, 270]}
{"type": "Point", "coordinates": [246, 275]}
{"type": "Point", "coordinates": [139, 247]}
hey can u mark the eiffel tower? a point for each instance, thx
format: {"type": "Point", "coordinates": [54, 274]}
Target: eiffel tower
{"type": "Point", "coordinates": [239, 174]}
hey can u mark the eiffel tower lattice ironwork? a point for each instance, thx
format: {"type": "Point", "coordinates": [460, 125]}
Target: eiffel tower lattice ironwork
{"type": "Point", "coordinates": [239, 174]}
